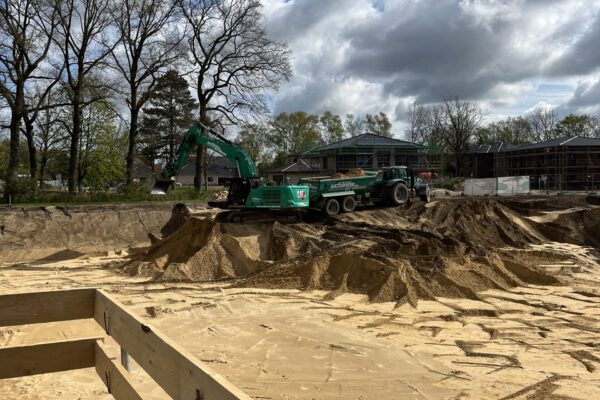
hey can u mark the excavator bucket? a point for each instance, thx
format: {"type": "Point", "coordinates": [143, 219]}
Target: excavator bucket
{"type": "Point", "coordinates": [160, 186]}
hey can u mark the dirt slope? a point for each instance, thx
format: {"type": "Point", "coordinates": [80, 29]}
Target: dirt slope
{"type": "Point", "coordinates": [451, 248]}
{"type": "Point", "coordinates": [28, 234]}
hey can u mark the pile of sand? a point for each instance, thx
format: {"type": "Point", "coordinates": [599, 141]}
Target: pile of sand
{"type": "Point", "coordinates": [447, 248]}
{"type": "Point", "coordinates": [573, 220]}
{"type": "Point", "coordinates": [354, 172]}
{"type": "Point", "coordinates": [220, 196]}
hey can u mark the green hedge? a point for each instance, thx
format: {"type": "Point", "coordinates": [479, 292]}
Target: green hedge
{"type": "Point", "coordinates": [27, 193]}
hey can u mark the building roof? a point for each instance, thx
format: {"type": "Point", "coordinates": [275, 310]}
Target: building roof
{"type": "Point", "coordinates": [365, 140]}
{"type": "Point", "coordinates": [558, 142]}
{"type": "Point", "coordinates": [491, 148]}
{"type": "Point", "coordinates": [562, 142]}
{"type": "Point", "coordinates": [298, 166]}
{"type": "Point", "coordinates": [220, 166]}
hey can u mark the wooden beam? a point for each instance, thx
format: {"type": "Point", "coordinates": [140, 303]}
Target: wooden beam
{"type": "Point", "coordinates": [38, 307]}
{"type": "Point", "coordinates": [47, 357]}
{"type": "Point", "coordinates": [115, 377]}
{"type": "Point", "coordinates": [177, 371]}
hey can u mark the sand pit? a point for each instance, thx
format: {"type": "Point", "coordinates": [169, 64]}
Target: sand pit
{"type": "Point", "coordinates": [449, 249]}
{"type": "Point", "coordinates": [459, 298]}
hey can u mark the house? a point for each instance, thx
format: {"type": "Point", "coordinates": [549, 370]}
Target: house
{"type": "Point", "coordinates": [292, 173]}
{"type": "Point", "coordinates": [479, 161]}
{"type": "Point", "coordinates": [220, 170]}
{"type": "Point", "coordinates": [560, 164]}
{"type": "Point", "coordinates": [367, 151]}
{"type": "Point", "coordinates": [142, 172]}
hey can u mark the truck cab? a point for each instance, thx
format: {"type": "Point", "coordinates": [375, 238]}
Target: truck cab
{"type": "Point", "coordinates": [395, 173]}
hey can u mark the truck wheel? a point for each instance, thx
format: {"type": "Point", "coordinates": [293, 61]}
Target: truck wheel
{"type": "Point", "coordinates": [332, 207]}
{"type": "Point", "coordinates": [425, 197]}
{"type": "Point", "coordinates": [348, 204]}
{"type": "Point", "coordinates": [399, 194]}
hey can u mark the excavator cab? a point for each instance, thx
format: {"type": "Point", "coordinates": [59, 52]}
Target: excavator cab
{"type": "Point", "coordinates": [239, 189]}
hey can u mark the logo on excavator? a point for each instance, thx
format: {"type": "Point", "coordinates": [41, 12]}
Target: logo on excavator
{"type": "Point", "coordinates": [301, 194]}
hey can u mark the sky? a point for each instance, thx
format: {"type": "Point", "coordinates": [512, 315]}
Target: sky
{"type": "Point", "coordinates": [367, 56]}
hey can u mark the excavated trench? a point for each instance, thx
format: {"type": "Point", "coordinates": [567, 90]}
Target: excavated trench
{"type": "Point", "coordinates": [55, 233]}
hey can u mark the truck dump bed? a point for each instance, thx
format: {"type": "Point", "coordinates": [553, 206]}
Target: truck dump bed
{"type": "Point", "coordinates": [332, 186]}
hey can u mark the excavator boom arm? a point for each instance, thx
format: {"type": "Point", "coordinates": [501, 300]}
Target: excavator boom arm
{"type": "Point", "coordinates": [198, 135]}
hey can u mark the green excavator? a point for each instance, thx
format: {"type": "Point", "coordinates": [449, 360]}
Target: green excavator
{"type": "Point", "coordinates": [246, 199]}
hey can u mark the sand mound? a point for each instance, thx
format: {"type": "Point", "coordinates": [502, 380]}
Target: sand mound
{"type": "Point", "coordinates": [447, 248]}
{"type": "Point", "coordinates": [353, 173]}
{"type": "Point", "coordinates": [580, 227]}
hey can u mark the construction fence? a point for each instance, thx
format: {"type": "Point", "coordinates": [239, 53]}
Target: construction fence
{"type": "Point", "coordinates": [501, 186]}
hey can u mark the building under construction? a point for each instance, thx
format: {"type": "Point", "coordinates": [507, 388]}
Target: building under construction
{"type": "Point", "coordinates": [557, 164]}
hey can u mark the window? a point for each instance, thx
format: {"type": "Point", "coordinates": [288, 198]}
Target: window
{"type": "Point", "coordinates": [211, 179]}
{"type": "Point", "coordinates": [349, 161]}
{"type": "Point", "coordinates": [383, 160]}
{"type": "Point", "coordinates": [364, 161]}
{"type": "Point", "coordinates": [401, 159]}
{"type": "Point", "coordinates": [345, 161]}
{"type": "Point", "coordinates": [311, 162]}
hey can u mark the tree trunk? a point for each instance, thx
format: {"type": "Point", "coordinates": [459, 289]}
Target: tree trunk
{"type": "Point", "coordinates": [31, 148]}
{"type": "Point", "coordinates": [74, 150]}
{"type": "Point", "coordinates": [13, 161]}
{"type": "Point", "coordinates": [133, 128]}
{"type": "Point", "coordinates": [198, 176]}
{"type": "Point", "coordinates": [15, 131]}
{"type": "Point", "coordinates": [43, 162]}
{"type": "Point", "coordinates": [200, 150]}
{"type": "Point", "coordinates": [205, 167]}
{"type": "Point", "coordinates": [133, 131]}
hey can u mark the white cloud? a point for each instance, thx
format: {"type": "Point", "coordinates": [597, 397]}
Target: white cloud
{"type": "Point", "coordinates": [360, 56]}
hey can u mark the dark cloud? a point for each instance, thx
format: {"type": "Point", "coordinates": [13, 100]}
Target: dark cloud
{"type": "Point", "coordinates": [393, 51]}
{"type": "Point", "coordinates": [430, 52]}
{"type": "Point", "coordinates": [583, 56]}
{"type": "Point", "coordinates": [302, 17]}
{"type": "Point", "coordinates": [586, 97]}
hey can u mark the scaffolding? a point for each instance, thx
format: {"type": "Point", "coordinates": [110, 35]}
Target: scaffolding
{"type": "Point", "coordinates": [553, 168]}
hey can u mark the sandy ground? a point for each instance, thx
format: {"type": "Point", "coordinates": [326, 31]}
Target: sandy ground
{"type": "Point", "coordinates": [460, 314]}
{"type": "Point", "coordinates": [533, 342]}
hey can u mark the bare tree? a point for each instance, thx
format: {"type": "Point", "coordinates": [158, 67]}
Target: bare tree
{"type": "Point", "coordinates": [462, 119]}
{"type": "Point", "coordinates": [594, 126]}
{"type": "Point", "coordinates": [354, 125]}
{"type": "Point", "coordinates": [235, 63]}
{"type": "Point", "coordinates": [419, 123]}
{"type": "Point", "coordinates": [35, 105]}
{"type": "Point", "coordinates": [26, 30]}
{"type": "Point", "coordinates": [50, 131]}
{"type": "Point", "coordinates": [515, 130]}
{"type": "Point", "coordinates": [543, 123]}
{"type": "Point", "coordinates": [150, 42]}
{"type": "Point", "coordinates": [85, 42]}
{"type": "Point", "coordinates": [379, 124]}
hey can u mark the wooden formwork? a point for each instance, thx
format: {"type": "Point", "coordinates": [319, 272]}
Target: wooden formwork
{"type": "Point", "coordinates": [174, 369]}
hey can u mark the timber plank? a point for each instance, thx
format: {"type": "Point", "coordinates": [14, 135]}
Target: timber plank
{"type": "Point", "coordinates": [50, 306]}
{"type": "Point", "coordinates": [177, 371]}
{"type": "Point", "coordinates": [114, 376]}
{"type": "Point", "coordinates": [47, 357]}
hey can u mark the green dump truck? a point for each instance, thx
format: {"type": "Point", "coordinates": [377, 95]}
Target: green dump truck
{"type": "Point", "coordinates": [389, 186]}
